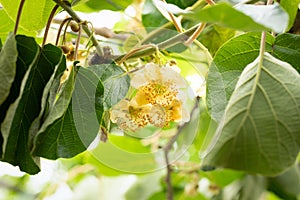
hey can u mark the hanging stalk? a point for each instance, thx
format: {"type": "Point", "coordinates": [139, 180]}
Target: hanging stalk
{"type": "Point", "coordinates": [19, 16]}
{"type": "Point", "coordinates": [49, 23]}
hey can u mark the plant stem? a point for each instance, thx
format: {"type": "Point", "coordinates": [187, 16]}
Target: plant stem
{"type": "Point", "coordinates": [195, 34]}
{"type": "Point", "coordinates": [49, 23]}
{"type": "Point", "coordinates": [77, 42]}
{"type": "Point", "coordinates": [60, 29]}
{"type": "Point", "coordinates": [167, 149]}
{"type": "Point", "coordinates": [19, 16]}
{"type": "Point", "coordinates": [85, 27]}
{"type": "Point", "coordinates": [180, 38]}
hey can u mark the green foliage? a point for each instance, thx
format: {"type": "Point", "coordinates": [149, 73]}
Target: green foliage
{"type": "Point", "coordinates": [258, 132]}
{"type": "Point", "coordinates": [95, 5]}
{"type": "Point", "coordinates": [291, 7]}
{"type": "Point", "coordinates": [25, 109]}
{"type": "Point", "coordinates": [244, 17]}
{"type": "Point", "coordinates": [8, 58]}
{"type": "Point", "coordinates": [31, 21]}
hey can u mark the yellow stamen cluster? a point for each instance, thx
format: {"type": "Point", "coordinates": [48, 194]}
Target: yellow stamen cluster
{"type": "Point", "coordinates": [155, 103]}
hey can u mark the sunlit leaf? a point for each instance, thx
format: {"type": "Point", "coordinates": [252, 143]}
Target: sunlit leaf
{"type": "Point", "coordinates": [242, 19]}
{"type": "Point", "coordinates": [151, 17]}
{"type": "Point", "coordinates": [270, 16]}
{"type": "Point", "coordinates": [259, 130]}
{"type": "Point", "coordinates": [95, 5]}
{"type": "Point", "coordinates": [34, 15]}
{"type": "Point", "coordinates": [8, 58]}
{"type": "Point", "coordinates": [7, 25]}
{"type": "Point", "coordinates": [25, 109]}
{"type": "Point", "coordinates": [291, 7]}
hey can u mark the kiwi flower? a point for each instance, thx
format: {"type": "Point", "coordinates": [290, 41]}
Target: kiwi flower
{"type": "Point", "coordinates": [159, 99]}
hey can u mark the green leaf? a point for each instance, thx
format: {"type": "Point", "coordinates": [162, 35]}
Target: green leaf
{"type": "Point", "coordinates": [270, 16]}
{"type": "Point", "coordinates": [95, 5]}
{"type": "Point", "coordinates": [287, 184]}
{"type": "Point", "coordinates": [122, 160]}
{"type": "Point", "coordinates": [223, 177]}
{"type": "Point", "coordinates": [57, 137]}
{"type": "Point", "coordinates": [215, 36]}
{"type": "Point", "coordinates": [241, 19]}
{"type": "Point", "coordinates": [26, 108]}
{"type": "Point", "coordinates": [8, 59]}
{"type": "Point", "coordinates": [60, 139]}
{"type": "Point", "coordinates": [116, 83]}
{"type": "Point", "coordinates": [182, 3]}
{"type": "Point", "coordinates": [227, 66]}
{"type": "Point", "coordinates": [259, 130]}
{"type": "Point", "coordinates": [27, 52]}
{"type": "Point", "coordinates": [291, 7]}
{"type": "Point", "coordinates": [7, 25]}
{"type": "Point", "coordinates": [287, 48]}
{"type": "Point", "coordinates": [151, 17]}
{"type": "Point", "coordinates": [86, 109]}
{"type": "Point", "coordinates": [235, 55]}
{"type": "Point", "coordinates": [34, 15]}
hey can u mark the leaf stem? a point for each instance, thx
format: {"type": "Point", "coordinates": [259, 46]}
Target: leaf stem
{"type": "Point", "coordinates": [180, 38]}
{"type": "Point", "coordinates": [49, 23]}
{"type": "Point", "coordinates": [19, 16]}
{"type": "Point", "coordinates": [77, 42]}
{"type": "Point", "coordinates": [167, 149]}
{"type": "Point", "coordinates": [60, 29]}
{"type": "Point", "coordinates": [85, 27]}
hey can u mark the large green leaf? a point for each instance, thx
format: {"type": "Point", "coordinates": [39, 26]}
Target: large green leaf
{"type": "Point", "coordinates": [57, 136]}
{"type": "Point", "coordinates": [60, 139]}
{"type": "Point", "coordinates": [291, 7]}
{"type": "Point", "coordinates": [215, 36]}
{"type": "Point", "coordinates": [287, 184]}
{"type": "Point", "coordinates": [7, 25]}
{"type": "Point", "coordinates": [287, 48]}
{"type": "Point", "coordinates": [260, 18]}
{"type": "Point", "coordinates": [27, 52]}
{"type": "Point", "coordinates": [8, 59]}
{"type": "Point", "coordinates": [26, 108]}
{"type": "Point", "coordinates": [259, 130]}
{"type": "Point", "coordinates": [233, 57]}
{"type": "Point", "coordinates": [95, 5]}
{"type": "Point", "coordinates": [85, 106]}
{"type": "Point", "coordinates": [34, 15]}
{"type": "Point", "coordinates": [116, 83]}
{"type": "Point", "coordinates": [227, 66]}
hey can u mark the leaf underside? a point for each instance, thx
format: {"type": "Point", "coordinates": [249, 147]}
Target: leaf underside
{"type": "Point", "coordinates": [259, 130]}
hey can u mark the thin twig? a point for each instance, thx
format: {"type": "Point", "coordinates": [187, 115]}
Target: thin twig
{"type": "Point", "coordinates": [167, 149]}
{"type": "Point", "coordinates": [19, 16]}
{"type": "Point", "coordinates": [85, 27]}
{"type": "Point", "coordinates": [49, 23]}
{"type": "Point", "coordinates": [60, 29]}
{"type": "Point", "coordinates": [77, 42]}
{"type": "Point", "coordinates": [173, 18]}
{"type": "Point", "coordinates": [195, 34]}
{"type": "Point", "coordinates": [180, 38]}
